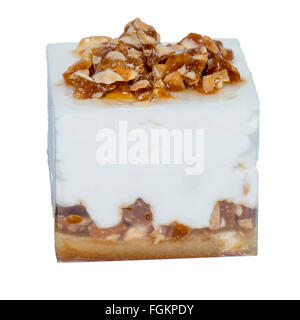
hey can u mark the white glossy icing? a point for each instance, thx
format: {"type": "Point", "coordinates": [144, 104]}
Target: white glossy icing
{"type": "Point", "coordinates": [230, 122]}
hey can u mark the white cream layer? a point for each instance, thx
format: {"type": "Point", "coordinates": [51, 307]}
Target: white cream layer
{"type": "Point", "coordinates": [230, 122]}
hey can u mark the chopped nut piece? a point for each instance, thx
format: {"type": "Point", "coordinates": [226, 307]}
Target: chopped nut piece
{"type": "Point", "coordinates": [203, 50]}
{"type": "Point", "coordinates": [191, 75]}
{"type": "Point", "coordinates": [191, 78]}
{"type": "Point", "coordinates": [226, 53]}
{"type": "Point", "coordinates": [211, 81]}
{"type": "Point", "coordinates": [131, 40]}
{"type": "Point", "coordinates": [134, 53]}
{"type": "Point", "coordinates": [233, 72]}
{"type": "Point", "coordinates": [189, 43]}
{"type": "Point", "coordinates": [182, 70]}
{"type": "Point", "coordinates": [82, 74]}
{"type": "Point", "coordinates": [142, 84]}
{"type": "Point", "coordinates": [163, 50]}
{"type": "Point", "coordinates": [200, 57]}
{"type": "Point", "coordinates": [176, 61]}
{"type": "Point", "coordinates": [174, 81]}
{"type": "Point", "coordinates": [116, 55]}
{"type": "Point", "coordinates": [130, 27]}
{"type": "Point", "coordinates": [85, 71]}
{"type": "Point", "coordinates": [176, 47]}
{"type": "Point", "coordinates": [139, 24]}
{"type": "Point", "coordinates": [107, 77]}
{"type": "Point", "coordinates": [145, 39]}
{"type": "Point", "coordinates": [159, 71]}
{"type": "Point", "coordinates": [219, 84]}
{"type": "Point", "coordinates": [127, 74]}
{"type": "Point", "coordinates": [96, 59]}
{"type": "Point", "coordinates": [79, 65]}
{"type": "Point", "coordinates": [147, 52]}
{"type": "Point", "coordinates": [90, 42]}
{"type": "Point", "coordinates": [210, 44]}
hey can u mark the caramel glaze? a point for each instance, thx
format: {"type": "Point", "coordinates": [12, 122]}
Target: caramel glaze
{"type": "Point", "coordinates": [75, 220]}
{"type": "Point", "coordinates": [144, 69]}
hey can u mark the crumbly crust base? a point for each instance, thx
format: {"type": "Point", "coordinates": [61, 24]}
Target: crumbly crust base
{"type": "Point", "coordinates": [223, 243]}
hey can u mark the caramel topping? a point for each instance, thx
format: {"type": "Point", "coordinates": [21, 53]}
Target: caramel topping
{"type": "Point", "coordinates": [137, 60]}
{"type": "Point", "coordinates": [179, 230]}
{"type": "Point", "coordinates": [74, 219]}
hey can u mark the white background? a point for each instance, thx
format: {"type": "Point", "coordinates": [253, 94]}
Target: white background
{"type": "Point", "coordinates": [269, 35]}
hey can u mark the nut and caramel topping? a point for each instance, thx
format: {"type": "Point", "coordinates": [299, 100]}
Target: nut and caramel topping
{"type": "Point", "coordinates": [139, 66]}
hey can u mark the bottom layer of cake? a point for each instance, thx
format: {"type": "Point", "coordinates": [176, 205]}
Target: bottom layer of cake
{"type": "Point", "coordinates": [230, 231]}
{"type": "Point", "coordinates": [214, 244]}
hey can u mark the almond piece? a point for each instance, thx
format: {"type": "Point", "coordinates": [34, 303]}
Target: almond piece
{"type": "Point", "coordinates": [127, 74]}
{"type": "Point", "coordinates": [163, 50]}
{"type": "Point", "coordinates": [134, 53]}
{"type": "Point", "coordinates": [211, 81]}
{"type": "Point", "coordinates": [191, 78]}
{"type": "Point", "coordinates": [182, 70]}
{"type": "Point", "coordinates": [96, 59]}
{"type": "Point", "coordinates": [139, 24]}
{"type": "Point", "coordinates": [200, 57]}
{"type": "Point", "coordinates": [203, 50]}
{"type": "Point", "coordinates": [131, 39]}
{"type": "Point", "coordinates": [83, 74]}
{"type": "Point", "coordinates": [90, 42]}
{"type": "Point", "coordinates": [174, 81]}
{"type": "Point", "coordinates": [116, 55]}
{"type": "Point", "coordinates": [210, 44]}
{"type": "Point", "coordinates": [107, 76]}
{"type": "Point", "coordinates": [159, 71]}
{"type": "Point", "coordinates": [176, 47]}
{"type": "Point", "coordinates": [191, 75]}
{"type": "Point", "coordinates": [145, 39]}
{"type": "Point", "coordinates": [142, 84]}
{"type": "Point", "coordinates": [189, 43]}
